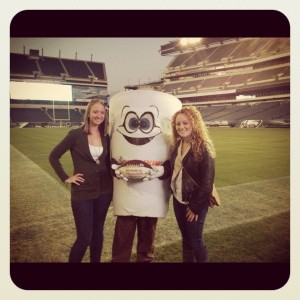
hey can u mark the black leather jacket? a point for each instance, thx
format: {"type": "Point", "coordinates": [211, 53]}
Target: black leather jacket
{"type": "Point", "coordinates": [197, 178]}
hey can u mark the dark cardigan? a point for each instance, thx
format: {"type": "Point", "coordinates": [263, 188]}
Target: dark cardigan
{"type": "Point", "coordinates": [98, 178]}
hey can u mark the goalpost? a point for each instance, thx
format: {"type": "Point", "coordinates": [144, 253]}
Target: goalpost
{"type": "Point", "coordinates": [59, 119]}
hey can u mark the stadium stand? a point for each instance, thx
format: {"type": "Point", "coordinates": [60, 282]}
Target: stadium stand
{"type": "Point", "coordinates": [22, 65]}
{"type": "Point", "coordinates": [97, 69]}
{"type": "Point", "coordinates": [76, 68]}
{"type": "Point", "coordinates": [231, 80]}
{"type": "Point", "coordinates": [87, 79]}
{"type": "Point", "coordinates": [51, 66]}
{"type": "Point", "coordinates": [31, 115]}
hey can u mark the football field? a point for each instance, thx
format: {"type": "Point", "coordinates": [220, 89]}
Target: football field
{"type": "Point", "coordinates": [251, 225]}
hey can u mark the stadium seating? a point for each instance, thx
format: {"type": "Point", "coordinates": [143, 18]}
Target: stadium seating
{"type": "Point", "coordinates": [46, 116]}
{"type": "Point", "coordinates": [32, 115]}
{"type": "Point", "coordinates": [97, 69]}
{"type": "Point", "coordinates": [233, 50]}
{"type": "Point", "coordinates": [88, 80]}
{"type": "Point", "coordinates": [21, 64]}
{"type": "Point", "coordinates": [76, 68]}
{"type": "Point", "coordinates": [233, 79]}
{"type": "Point", "coordinates": [227, 79]}
{"type": "Point", "coordinates": [51, 66]}
{"type": "Point", "coordinates": [235, 114]}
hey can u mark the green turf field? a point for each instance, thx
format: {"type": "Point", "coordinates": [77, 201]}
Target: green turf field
{"type": "Point", "coordinates": [252, 175]}
{"type": "Point", "coordinates": [243, 155]}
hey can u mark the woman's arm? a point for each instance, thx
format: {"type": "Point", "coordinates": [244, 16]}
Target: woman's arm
{"type": "Point", "coordinates": [58, 151]}
{"type": "Point", "coordinates": [201, 194]}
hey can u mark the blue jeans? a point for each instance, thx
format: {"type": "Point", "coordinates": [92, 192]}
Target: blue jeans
{"type": "Point", "coordinates": [193, 247]}
{"type": "Point", "coordinates": [89, 216]}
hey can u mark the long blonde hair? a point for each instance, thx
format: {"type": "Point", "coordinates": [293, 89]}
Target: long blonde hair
{"type": "Point", "coordinates": [200, 135]}
{"type": "Point", "coordinates": [103, 127]}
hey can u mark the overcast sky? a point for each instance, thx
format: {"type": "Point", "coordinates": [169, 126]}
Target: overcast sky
{"type": "Point", "coordinates": [127, 60]}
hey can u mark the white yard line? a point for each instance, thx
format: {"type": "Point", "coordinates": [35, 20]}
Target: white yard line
{"type": "Point", "coordinates": [37, 190]}
{"type": "Point", "coordinates": [251, 202]}
{"type": "Point", "coordinates": [240, 204]}
{"type": "Point", "coordinates": [45, 201]}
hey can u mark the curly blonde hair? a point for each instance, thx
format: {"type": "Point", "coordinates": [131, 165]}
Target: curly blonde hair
{"type": "Point", "coordinates": [200, 135]}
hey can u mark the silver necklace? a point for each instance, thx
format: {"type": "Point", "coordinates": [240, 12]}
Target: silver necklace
{"type": "Point", "coordinates": [96, 148]}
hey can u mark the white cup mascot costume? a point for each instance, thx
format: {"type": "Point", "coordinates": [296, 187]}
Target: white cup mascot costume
{"type": "Point", "coordinates": [140, 131]}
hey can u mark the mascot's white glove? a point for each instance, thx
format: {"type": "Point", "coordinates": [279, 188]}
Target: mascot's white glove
{"type": "Point", "coordinates": [157, 171]}
{"type": "Point", "coordinates": [118, 172]}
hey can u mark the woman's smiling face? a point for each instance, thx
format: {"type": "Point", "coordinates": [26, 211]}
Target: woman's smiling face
{"type": "Point", "coordinates": [184, 126]}
{"type": "Point", "coordinates": [97, 114]}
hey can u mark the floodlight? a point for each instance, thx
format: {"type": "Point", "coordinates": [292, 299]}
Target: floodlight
{"type": "Point", "coordinates": [184, 42]}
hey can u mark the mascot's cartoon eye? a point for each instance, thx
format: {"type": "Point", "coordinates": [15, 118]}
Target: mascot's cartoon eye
{"type": "Point", "coordinates": [132, 122]}
{"type": "Point", "coordinates": [147, 122]}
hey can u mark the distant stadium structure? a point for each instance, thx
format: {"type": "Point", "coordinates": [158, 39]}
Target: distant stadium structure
{"type": "Point", "coordinates": [231, 80]}
{"type": "Point", "coordinates": [52, 91]}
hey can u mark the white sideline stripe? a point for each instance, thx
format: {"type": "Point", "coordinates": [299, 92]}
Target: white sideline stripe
{"type": "Point", "coordinates": [250, 220]}
{"type": "Point", "coordinates": [36, 169]}
{"type": "Point", "coordinates": [275, 188]}
{"type": "Point", "coordinates": [267, 190]}
{"type": "Point", "coordinates": [274, 195]}
{"type": "Point", "coordinates": [252, 182]}
{"type": "Point", "coordinates": [27, 178]}
{"type": "Point", "coordinates": [64, 189]}
{"type": "Point", "coordinates": [27, 172]}
{"type": "Point", "coordinates": [271, 198]}
{"type": "Point", "coordinates": [33, 166]}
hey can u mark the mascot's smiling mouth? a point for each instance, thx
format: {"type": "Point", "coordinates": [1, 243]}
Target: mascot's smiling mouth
{"type": "Point", "coordinates": [138, 141]}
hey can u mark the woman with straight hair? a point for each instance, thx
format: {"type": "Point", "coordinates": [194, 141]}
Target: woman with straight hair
{"type": "Point", "coordinates": [91, 181]}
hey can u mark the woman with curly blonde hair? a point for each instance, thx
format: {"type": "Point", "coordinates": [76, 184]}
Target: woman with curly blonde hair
{"type": "Point", "coordinates": [193, 170]}
{"type": "Point", "coordinates": [199, 134]}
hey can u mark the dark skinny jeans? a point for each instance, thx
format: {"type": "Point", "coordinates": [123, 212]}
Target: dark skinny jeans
{"type": "Point", "coordinates": [89, 216]}
{"type": "Point", "coordinates": [193, 247]}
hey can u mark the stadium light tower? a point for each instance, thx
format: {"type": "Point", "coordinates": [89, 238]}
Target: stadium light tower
{"type": "Point", "coordinates": [189, 42]}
